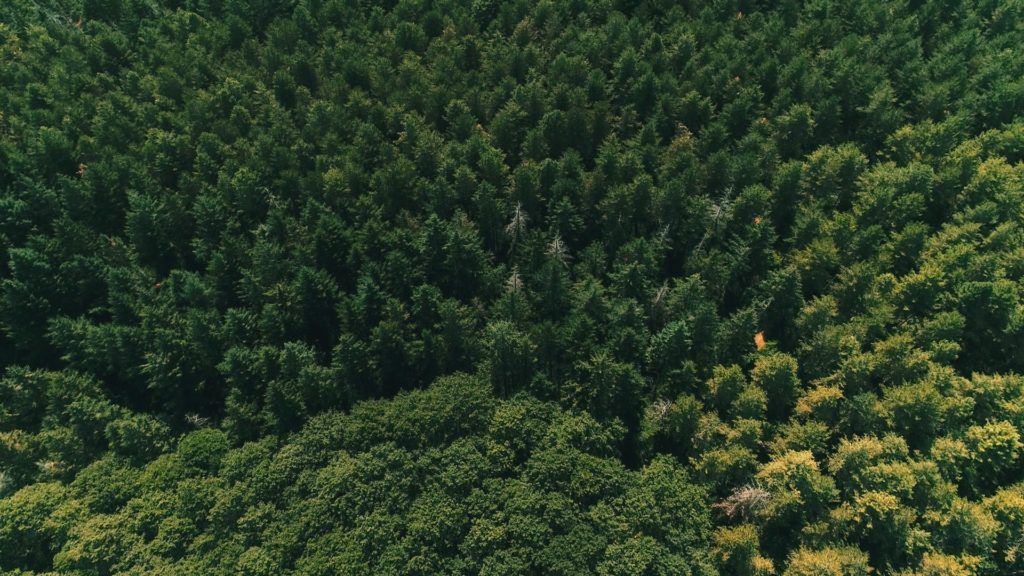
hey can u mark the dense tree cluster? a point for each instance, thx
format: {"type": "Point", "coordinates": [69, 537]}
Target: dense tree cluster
{"type": "Point", "coordinates": [611, 287]}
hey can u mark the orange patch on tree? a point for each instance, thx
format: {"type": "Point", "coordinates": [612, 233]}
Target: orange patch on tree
{"type": "Point", "coordinates": [759, 340]}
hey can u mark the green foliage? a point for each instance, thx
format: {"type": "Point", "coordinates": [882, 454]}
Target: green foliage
{"type": "Point", "coordinates": [884, 527]}
{"type": "Point", "coordinates": [736, 552]}
{"type": "Point", "coordinates": [993, 450]}
{"type": "Point", "coordinates": [828, 562]}
{"type": "Point", "coordinates": [800, 493]}
{"type": "Point", "coordinates": [203, 449]}
{"type": "Point", "coordinates": [328, 287]}
{"type": "Point", "coordinates": [30, 532]}
{"type": "Point", "coordinates": [777, 376]}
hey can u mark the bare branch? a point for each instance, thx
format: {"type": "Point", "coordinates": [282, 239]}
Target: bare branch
{"type": "Point", "coordinates": [744, 502]}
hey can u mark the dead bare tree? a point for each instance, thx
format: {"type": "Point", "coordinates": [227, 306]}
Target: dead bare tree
{"type": "Point", "coordinates": [517, 226]}
{"type": "Point", "coordinates": [744, 502]}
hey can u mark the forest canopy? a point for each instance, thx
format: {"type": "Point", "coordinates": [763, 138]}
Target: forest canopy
{"type": "Point", "coordinates": [567, 287]}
